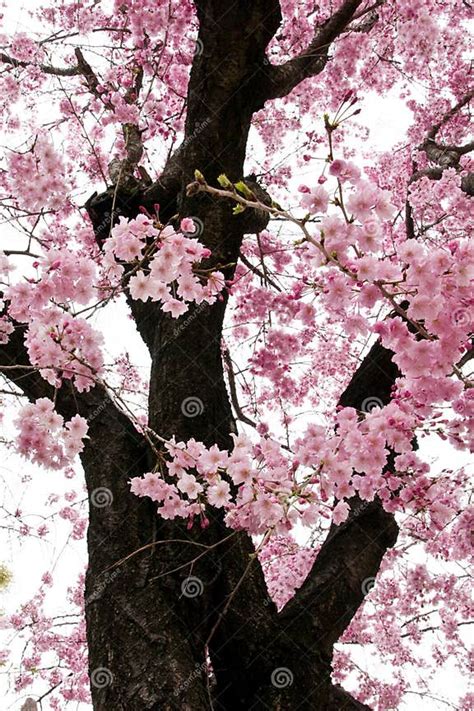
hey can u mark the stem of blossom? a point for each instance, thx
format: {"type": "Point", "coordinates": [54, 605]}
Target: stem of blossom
{"type": "Point", "coordinates": [255, 270]}
{"type": "Point", "coordinates": [170, 540]}
{"type": "Point", "coordinates": [233, 390]}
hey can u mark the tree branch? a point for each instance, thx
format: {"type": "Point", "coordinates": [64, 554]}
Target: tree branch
{"type": "Point", "coordinates": [445, 156]}
{"type": "Point", "coordinates": [436, 173]}
{"type": "Point", "coordinates": [233, 390]}
{"type": "Point", "coordinates": [449, 114]}
{"type": "Point", "coordinates": [282, 79]}
{"type": "Point", "coordinates": [47, 69]}
{"type": "Point", "coordinates": [351, 554]}
{"type": "Point", "coordinates": [94, 405]}
{"type": "Point", "coordinates": [264, 277]}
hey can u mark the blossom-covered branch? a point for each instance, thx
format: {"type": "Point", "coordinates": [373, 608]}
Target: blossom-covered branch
{"type": "Point", "coordinates": [282, 79]}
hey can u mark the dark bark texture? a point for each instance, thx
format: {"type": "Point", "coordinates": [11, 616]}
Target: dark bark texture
{"type": "Point", "coordinates": [149, 639]}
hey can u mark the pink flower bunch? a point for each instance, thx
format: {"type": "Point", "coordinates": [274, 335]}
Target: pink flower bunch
{"type": "Point", "coordinates": [285, 565]}
{"type": "Point", "coordinates": [45, 439]}
{"type": "Point", "coordinates": [344, 170]}
{"type": "Point", "coordinates": [65, 348]}
{"type": "Point", "coordinates": [6, 328]}
{"type": "Point", "coordinates": [63, 276]}
{"type": "Point", "coordinates": [366, 198]}
{"type": "Point", "coordinates": [24, 48]}
{"type": "Point", "coordinates": [315, 199]}
{"type": "Point", "coordinates": [262, 487]}
{"type": "Point", "coordinates": [203, 475]}
{"type": "Point", "coordinates": [38, 177]}
{"type": "Point", "coordinates": [50, 640]}
{"type": "Point", "coordinates": [168, 271]}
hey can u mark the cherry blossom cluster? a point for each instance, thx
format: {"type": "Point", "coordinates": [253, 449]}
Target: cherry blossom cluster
{"type": "Point", "coordinates": [45, 438]}
{"type": "Point", "coordinates": [166, 263]}
{"type": "Point", "coordinates": [286, 566]}
{"type": "Point", "coordinates": [6, 329]}
{"type": "Point", "coordinates": [294, 335]}
{"type": "Point", "coordinates": [429, 285]}
{"type": "Point", "coordinates": [262, 487]}
{"type": "Point", "coordinates": [38, 177]}
{"type": "Point", "coordinates": [65, 348]}
{"type": "Point", "coordinates": [197, 475]}
{"type": "Point", "coordinates": [66, 277]}
{"type": "Point", "coordinates": [55, 650]}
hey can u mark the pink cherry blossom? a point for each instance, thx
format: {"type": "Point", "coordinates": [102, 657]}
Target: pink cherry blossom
{"type": "Point", "coordinates": [373, 250]}
{"type": "Point", "coordinates": [316, 200]}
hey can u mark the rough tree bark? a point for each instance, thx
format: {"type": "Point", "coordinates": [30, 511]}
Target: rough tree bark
{"type": "Point", "coordinates": [153, 641]}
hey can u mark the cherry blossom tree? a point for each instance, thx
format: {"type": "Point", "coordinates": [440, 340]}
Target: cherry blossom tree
{"type": "Point", "coordinates": [306, 305]}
